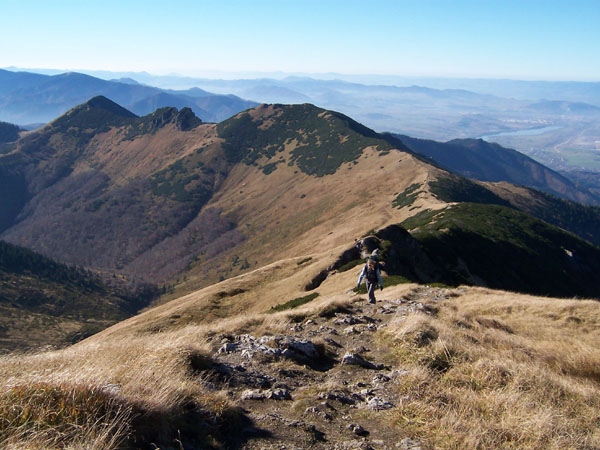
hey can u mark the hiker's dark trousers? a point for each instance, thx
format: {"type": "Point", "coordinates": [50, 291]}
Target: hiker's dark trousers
{"type": "Point", "coordinates": [371, 291]}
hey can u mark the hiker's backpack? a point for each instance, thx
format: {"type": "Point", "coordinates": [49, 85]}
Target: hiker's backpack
{"type": "Point", "coordinates": [371, 273]}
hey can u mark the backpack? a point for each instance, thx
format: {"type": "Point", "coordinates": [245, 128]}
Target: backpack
{"type": "Point", "coordinates": [371, 273]}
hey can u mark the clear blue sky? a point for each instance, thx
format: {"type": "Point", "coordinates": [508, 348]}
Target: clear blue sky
{"type": "Point", "coordinates": [525, 39]}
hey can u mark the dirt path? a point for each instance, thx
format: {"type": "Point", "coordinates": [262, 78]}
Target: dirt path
{"type": "Point", "coordinates": [329, 383]}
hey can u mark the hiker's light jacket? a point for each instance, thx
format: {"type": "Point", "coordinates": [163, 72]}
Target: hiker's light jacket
{"type": "Point", "coordinates": [364, 273]}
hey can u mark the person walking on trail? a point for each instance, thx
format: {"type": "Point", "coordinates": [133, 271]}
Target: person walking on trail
{"type": "Point", "coordinates": [372, 273]}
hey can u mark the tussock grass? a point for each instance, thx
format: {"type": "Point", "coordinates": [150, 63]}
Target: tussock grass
{"type": "Point", "coordinates": [41, 415]}
{"type": "Point", "coordinates": [99, 395]}
{"type": "Point", "coordinates": [501, 371]}
{"type": "Point", "coordinates": [112, 393]}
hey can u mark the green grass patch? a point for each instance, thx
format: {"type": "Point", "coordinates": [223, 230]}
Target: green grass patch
{"type": "Point", "coordinates": [421, 219]}
{"type": "Point", "coordinates": [304, 261]}
{"type": "Point", "coordinates": [294, 303]}
{"type": "Point", "coordinates": [453, 189]}
{"type": "Point", "coordinates": [325, 139]}
{"type": "Point", "coordinates": [350, 265]}
{"type": "Point", "coordinates": [407, 197]}
{"type": "Point", "coordinates": [394, 280]}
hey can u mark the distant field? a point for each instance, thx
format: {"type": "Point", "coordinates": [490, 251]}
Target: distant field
{"type": "Point", "coordinates": [574, 146]}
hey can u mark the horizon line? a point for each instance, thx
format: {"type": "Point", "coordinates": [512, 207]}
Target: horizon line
{"type": "Point", "coordinates": [253, 74]}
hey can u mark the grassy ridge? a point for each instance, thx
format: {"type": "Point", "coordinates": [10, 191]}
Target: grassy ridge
{"type": "Point", "coordinates": [582, 220]}
{"type": "Point", "coordinates": [453, 188]}
{"type": "Point", "coordinates": [291, 304]}
{"type": "Point", "coordinates": [325, 139]}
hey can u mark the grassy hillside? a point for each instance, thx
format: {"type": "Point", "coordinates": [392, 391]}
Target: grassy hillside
{"type": "Point", "coordinates": [320, 141]}
{"type": "Point", "coordinates": [282, 352]}
{"type": "Point", "coordinates": [47, 303]}
{"type": "Point", "coordinates": [75, 171]}
{"type": "Point", "coordinates": [443, 369]}
{"type": "Point", "coordinates": [143, 195]}
{"type": "Point", "coordinates": [454, 189]}
{"type": "Point", "coordinates": [503, 248]}
{"type": "Point", "coordinates": [584, 221]}
{"type": "Point", "coordinates": [167, 199]}
{"type": "Point", "coordinates": [581, 220]}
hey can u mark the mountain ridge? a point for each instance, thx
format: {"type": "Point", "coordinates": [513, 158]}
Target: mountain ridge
{"type": "Point", "coordinates": [484, 161]}
{"type": "Point", "coordinates": [227, 197]}
{"type": "Point", "coordinates": [267, 342]}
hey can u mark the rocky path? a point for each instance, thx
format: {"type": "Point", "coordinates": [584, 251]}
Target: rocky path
{"type": "Point", "coordinates": [327, 384]}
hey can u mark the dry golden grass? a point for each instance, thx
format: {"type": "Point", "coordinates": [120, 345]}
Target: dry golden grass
{"type": "Point", "coordinates": [124, 160]}
{"type": "Point", "coordinates": [143, 383]}
{"type": "Point", "coordinates": [489, 370]}
{"type": "Point", "coordinates": [288, 213]}
{"type": "Point", "coordinates": [43, 415]}
{"type": "Point", "coordinates": [149, 379]}
{"type": "Point", "coordinates": [501, 371]}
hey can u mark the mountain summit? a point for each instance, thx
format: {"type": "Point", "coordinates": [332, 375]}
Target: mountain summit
{"type": "Point", "coordinates": [97, 113]}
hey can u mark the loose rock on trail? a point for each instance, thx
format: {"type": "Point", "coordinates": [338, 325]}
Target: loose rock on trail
{"type": "Point", "coordinates": [326, 383]}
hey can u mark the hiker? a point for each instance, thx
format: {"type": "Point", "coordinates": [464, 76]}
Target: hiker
{"type": "Point", "coordinates": [371, 271]}
{"type": "Point", "coordinates": [358, 244]}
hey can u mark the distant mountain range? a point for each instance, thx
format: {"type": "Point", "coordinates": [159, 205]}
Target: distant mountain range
{"type": "Point", "coordinates": [33, 98]}
{"type": "Point", "coordinates": [556, 123]}
{"type": "Point", "coordinates": [484, 161]}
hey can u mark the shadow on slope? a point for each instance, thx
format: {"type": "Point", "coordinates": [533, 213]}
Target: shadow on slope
{"type": "Point", "coordinates": [481, 245]}
{"type": "Point", "coordinates": [502, 248]}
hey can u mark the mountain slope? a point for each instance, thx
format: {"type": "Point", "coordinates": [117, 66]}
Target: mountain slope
{"type": "Point", "coordinates": [484, 161]}
{"type": "Point", "coordinates": [270, 202]}
{"type": "Point", "coordinates": [273, 182]}
{"type": "Point", "coordinates": [84, 170]}
{"type": "Point", "coordinates": [497, 246]}
{"type": "Point", "coordinates": [584, 221]}
{"type": "Point", "coordinates": [8, 133]}
{"type": "Point", "coordinates": [334, 373]}
{"type": "Point", "coordinates": [101, 181]}
{"type": "Point", "coordinates": [44, 303]}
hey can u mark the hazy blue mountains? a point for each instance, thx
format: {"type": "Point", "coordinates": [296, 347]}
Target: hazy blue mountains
{"type": "Point", "coordinates": [556, 123]}
{"type": "Point", "coordinates": [485, 161]}
{"type": "Point", "coordinates": [34, 98]}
